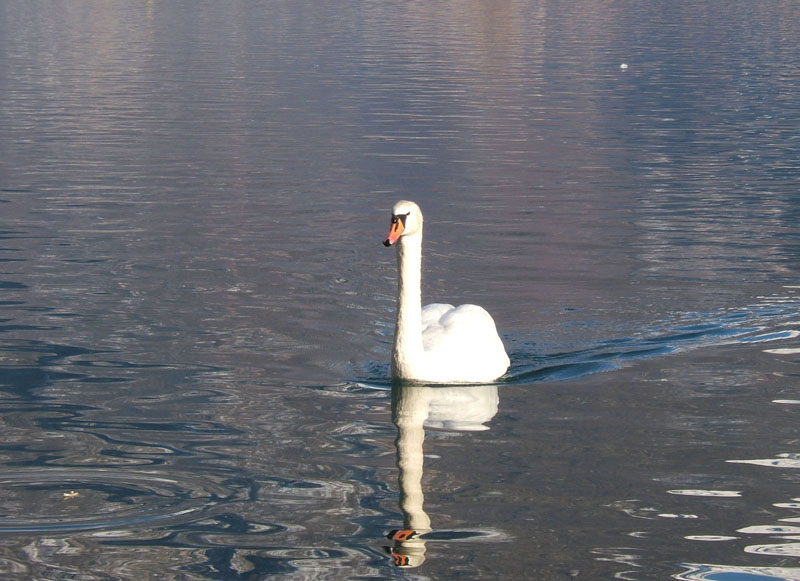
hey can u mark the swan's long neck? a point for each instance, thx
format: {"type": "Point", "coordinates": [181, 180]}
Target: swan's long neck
{"type": "Point", "coordinates": [408, 351]}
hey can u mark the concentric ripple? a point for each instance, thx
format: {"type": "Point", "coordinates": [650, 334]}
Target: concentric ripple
{"type": "Point", "coordinates": [68, 499]}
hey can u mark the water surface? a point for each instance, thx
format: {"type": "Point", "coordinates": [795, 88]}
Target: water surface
{"type": "Point", "coordinates": [196, 311]}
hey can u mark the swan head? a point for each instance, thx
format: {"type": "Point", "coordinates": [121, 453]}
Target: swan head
{"type": "Point", "coordinates": [406, 221]}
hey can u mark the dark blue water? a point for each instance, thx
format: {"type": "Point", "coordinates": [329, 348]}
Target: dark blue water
{"type": "Point", "coordinates": [196, 311]}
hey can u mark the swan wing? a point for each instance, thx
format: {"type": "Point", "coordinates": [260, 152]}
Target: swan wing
{"type": "Point", "coordinates": [432, 314]}
{"type": "Point", "coordinates": [458, 326]}
{"type": "Point", "coordinates": [461, 343]}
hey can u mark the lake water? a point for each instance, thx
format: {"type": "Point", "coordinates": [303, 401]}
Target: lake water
{"type": "Point", "coordinates": [196, 310]}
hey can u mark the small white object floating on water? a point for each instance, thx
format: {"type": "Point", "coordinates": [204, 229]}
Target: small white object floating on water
{"type": "Point", "coordinates": [623, 67]}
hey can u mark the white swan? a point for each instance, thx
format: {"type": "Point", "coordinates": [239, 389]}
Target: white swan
{"type": "Point", "coordinates": [439, 343]}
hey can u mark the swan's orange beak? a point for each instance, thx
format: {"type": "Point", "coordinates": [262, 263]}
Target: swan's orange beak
{"type": "Point", "coordinates": [398, 225]}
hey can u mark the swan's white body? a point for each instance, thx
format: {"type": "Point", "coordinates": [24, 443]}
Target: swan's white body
{"type": "Point", "coordinates": [439, 343]}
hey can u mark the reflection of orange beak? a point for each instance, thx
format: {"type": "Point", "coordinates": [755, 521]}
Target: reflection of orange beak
{"type": "Point", "coordinates": [402, 535]}
{"type": "Point", "coordinates": [395, 231]}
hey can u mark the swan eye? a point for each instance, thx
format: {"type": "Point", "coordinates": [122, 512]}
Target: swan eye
{"type": "Point", "coordinates": [400, 218]}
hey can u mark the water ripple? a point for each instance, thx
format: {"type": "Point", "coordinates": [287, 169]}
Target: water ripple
{"type": "Point", "coordinates": [762, 322]}
{"type": "Point", "coordinates": [73, 499]}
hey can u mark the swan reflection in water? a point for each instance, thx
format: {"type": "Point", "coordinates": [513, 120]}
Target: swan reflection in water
{"type": "Point", "coordinates": [414, 408]}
